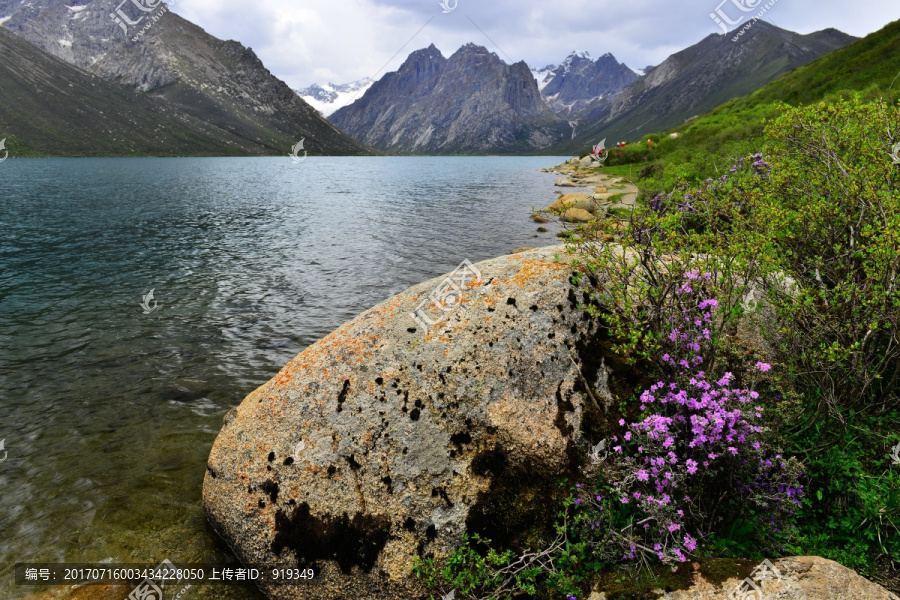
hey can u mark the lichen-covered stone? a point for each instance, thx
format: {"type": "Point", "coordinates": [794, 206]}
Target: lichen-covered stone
{"type": "Point", "coordinates": [382, 442]}
{"type": "Point", "coordinates": [576, 215]}
{"type": "Point", "coordinates": [582, 201]}
{"type": "Point", "coordinates": [798, 578]}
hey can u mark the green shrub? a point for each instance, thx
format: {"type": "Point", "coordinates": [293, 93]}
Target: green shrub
{"type": "Point", "coordinates": [852, 512]}
{"type": "Point", "coordinates": [833, 213]}
{"type": "Point", "coordinates": [815, 226]}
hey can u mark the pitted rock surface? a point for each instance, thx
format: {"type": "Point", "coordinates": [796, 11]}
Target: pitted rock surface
{"type": "Point", "coordinates": [799, 578]}
{"type": "Point", "coordinates": [383, 442]}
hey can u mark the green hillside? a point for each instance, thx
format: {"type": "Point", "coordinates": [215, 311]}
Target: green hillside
{"type": "Point", "coordinates": [706, 146]}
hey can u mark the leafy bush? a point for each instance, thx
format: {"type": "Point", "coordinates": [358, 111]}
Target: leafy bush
{"type": "Point", "coordinates": [833, 212]}
{"type": "Point", "coordinates": [852, 511]}
{"type": "Point", "coordinates": [633, 282]}
{"type": "Point", "coordinates": [477, 571]}
{"type": "Point", "coordinates": [814, 226]}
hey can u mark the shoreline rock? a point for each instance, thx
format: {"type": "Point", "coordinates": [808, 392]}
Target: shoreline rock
{"type": "Point", "coordinates": [584, 202]}
{"type": "Point", "coordinates": [799, 578]}
{"type": "Point", "coordinates": [576, 215]}
{"type": "Point", "coordinates": [383, 442]}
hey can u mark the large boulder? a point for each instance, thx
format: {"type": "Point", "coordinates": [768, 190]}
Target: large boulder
{"type": "Point", "coordinates": [386, 441]}
{"type": "Point", "coordinates": [582, 201]}
{"type": "Point", "coordinates": [795, 578]}
{"type": "Point", "coordinates": [576, 215]}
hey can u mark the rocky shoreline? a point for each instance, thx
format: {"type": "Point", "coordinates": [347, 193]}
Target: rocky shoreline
{"type": "Point", "coordinates": [608, 194]}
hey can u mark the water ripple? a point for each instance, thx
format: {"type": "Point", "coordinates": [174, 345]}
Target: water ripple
{"type": "Point", "coordinates": [109, 413]}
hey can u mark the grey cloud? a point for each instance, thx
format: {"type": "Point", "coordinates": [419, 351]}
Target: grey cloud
{"type": "Point", "coordinates": [344, 41]}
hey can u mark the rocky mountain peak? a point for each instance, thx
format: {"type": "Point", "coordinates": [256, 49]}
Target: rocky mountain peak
{"type": "Point", "coordinates": [470, 102]}
{"type": "Point", "coordinates": [579, 83]}
{"type": "Point", "coordinates": [431, 52]}
{"type": "Point", "coordinates": [473, 54]}
{"type": "Point", "coordinates": [424, 63]}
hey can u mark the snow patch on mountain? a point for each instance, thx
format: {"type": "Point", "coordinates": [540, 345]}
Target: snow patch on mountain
{"type": "Point", "coordinates": [330, 97]}
{"type": "Point", "coordinates": [543, 76]}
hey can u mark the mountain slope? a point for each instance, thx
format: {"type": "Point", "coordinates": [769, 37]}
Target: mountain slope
{"type": "Point", "coordinates": [49, 107]}
{"type": "Point", "coordinates": [702, 77]}
{"type": "Point", "coordinates": [472, 102]}
{"type": "Point", "coordinates": [189, 72]}
{"type": "Point", "coordinates": [708, 144]}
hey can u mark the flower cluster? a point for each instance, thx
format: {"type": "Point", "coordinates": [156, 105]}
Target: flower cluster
{"type": "Point", "coordinates": [698, 452]}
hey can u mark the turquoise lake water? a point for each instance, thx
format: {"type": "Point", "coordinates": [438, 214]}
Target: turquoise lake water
{"type": "Point", "coordinates": [109, 411]}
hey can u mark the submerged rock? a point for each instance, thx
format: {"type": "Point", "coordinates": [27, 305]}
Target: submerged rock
{"type": "Point", "coordinates": [186, 390]}
{"type": "Point", "coordinates": [384, 442]}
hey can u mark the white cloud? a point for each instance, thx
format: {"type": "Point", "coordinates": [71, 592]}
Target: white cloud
{"type": "Point", "coordinates": [315, 41]}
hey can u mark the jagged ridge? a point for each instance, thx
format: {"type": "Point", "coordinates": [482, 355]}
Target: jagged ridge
{"type": "Point", "coordinates": [472, 102]}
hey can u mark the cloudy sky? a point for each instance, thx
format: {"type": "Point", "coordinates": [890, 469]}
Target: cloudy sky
{"type": "Point", "coordinates": [316, 41]}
